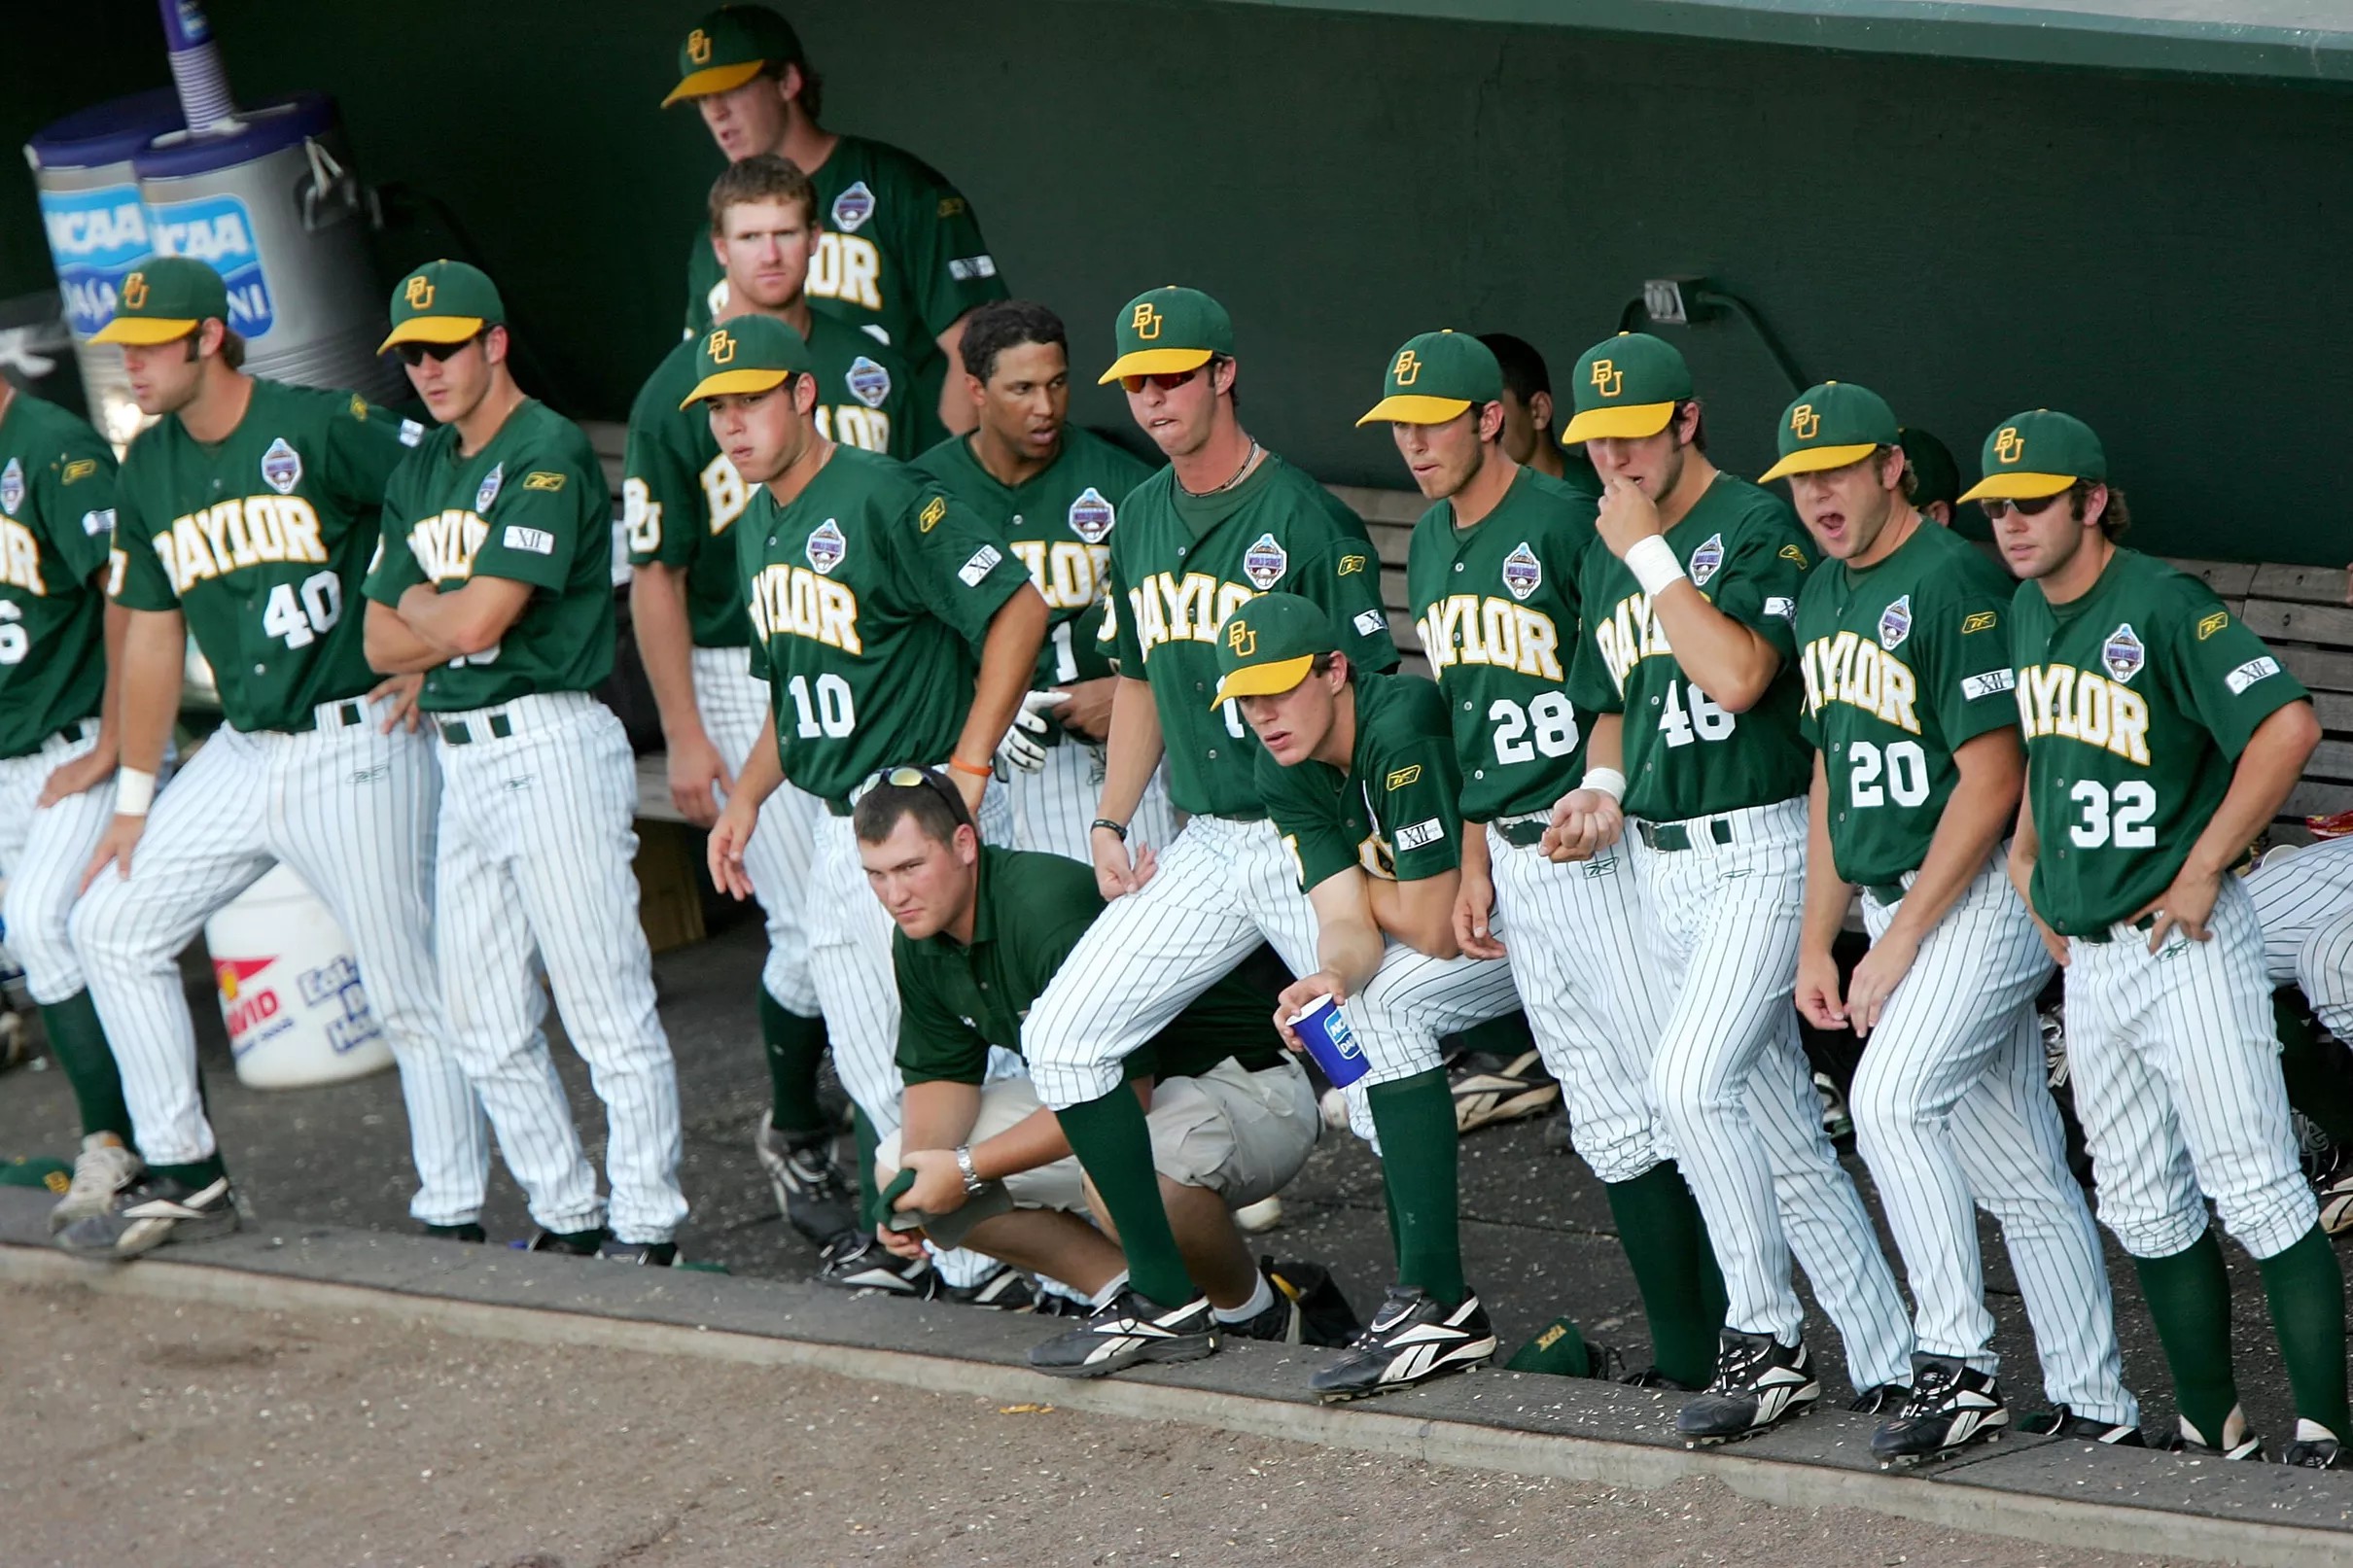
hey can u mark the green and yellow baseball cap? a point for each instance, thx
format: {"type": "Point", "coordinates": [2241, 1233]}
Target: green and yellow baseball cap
{"type": "Point", "coordinates": [1626, 386]}
{"type": "Point", "coordinates": [2038, 453]}
{"type": "Point", "coordinates": [748, 354]}
{"type": "Point", "coordinates": [443, 303]}
{"type": "Point", "coordinates": [1935, 475]}
{"type": "Point", "coordinates": [1167, 330]}
{"type": "Point", "coordinates": [1435, 377]}
{"type": "Point", "coordinates": [1267, 643]}
{"type": "Point", "coordinates": [731, 47]}
{"type": "Point", "coordinates": [166, 298]}
{"type": "Point", "coordinates": [1831, 425]}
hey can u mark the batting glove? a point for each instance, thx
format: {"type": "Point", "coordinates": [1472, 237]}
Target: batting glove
{"type": "Point", "coordinates": [1024, 746]}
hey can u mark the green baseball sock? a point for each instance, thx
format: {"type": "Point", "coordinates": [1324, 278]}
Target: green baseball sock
{"type": "Point", "coordinates": [2318, 1069]}
{"type": "Point", "coordinates": [2189, 1295]}
{"type": "Point", "coordinates": [196, 1176]}
{"type": "Point", "coordinates": [2305, 1287]}
{"type": "Point", "coordinates": [1665, 1240]}
{"type": "Point", "coordinates": [1415, 1120]}
{"type": "Point", "coordinates": [77, 1040]}
{"type": "Point", "coordinates": [870, 1194]}
{"type": "Point", "coordinates": [793, 1045]}
{"type": "Point", "coordinates": [1507, 1036]}
{"type": "Point", "coordinates": [1114, 1145]}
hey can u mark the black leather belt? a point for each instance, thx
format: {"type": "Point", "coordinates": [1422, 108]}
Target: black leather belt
{"type": "Point", "coordinates": [1675, 836]}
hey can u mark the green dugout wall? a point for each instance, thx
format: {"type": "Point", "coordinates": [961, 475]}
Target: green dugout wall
{"type": "Point", "coordinates": [2157, 250]}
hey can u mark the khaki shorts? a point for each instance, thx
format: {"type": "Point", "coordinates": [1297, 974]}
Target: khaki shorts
{"type": "Point", "coordinates": [1242, 1134]}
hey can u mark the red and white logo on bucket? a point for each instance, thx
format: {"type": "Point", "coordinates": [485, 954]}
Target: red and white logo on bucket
{"type": "Point", "coordinates": [247, 1009]}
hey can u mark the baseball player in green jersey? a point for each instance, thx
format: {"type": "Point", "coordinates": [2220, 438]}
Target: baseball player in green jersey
{"type": "Point", "coordinates": [2162, 736]}
{"type": "Point", "coordinates": [60, 722]}
{"type": "Point", "coordinates": [495, 583]}
{"type": "Point", "coordinates": [900, 254]}
{"type": "Point", "coordinates": [1917, 774]}
{"type": "Point", "coordinates": [1932, 481]}
{"type": "Point", "coordinates": [1527, 405]}
{"type": "Point", "coordinates": [244, 518]}
{"type": "Point", "coordinates": [1689, 663]}
{"type": "Point", "coordinates": [1055, 491]}
{"type": "Point", "coordinates": [1492, 576]}
{"type": "Point", "coordinates": [892, 626]}
{"type": "Point", "coordinates": [980, 932]}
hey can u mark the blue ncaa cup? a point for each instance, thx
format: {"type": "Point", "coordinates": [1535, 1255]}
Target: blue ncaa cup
{"type": "Point", "coordinates": [1323, 1028]}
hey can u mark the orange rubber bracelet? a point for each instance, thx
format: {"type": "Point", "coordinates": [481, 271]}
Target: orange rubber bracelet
{"type": "Point", "coordinates": [962, 766]}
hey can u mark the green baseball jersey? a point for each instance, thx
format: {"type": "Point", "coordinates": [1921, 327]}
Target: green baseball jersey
{"type": "Point", "coordinates": [260, 539]}
{"type": "Point", "coordinates": [1180, 565]}
{"type": "Point", "coordinates": [2136, 700]}
{"type": "Point", "coordinates": [1902, 662]}
{"type": "Point", "coordinates": [1059, 522]}
{"type": "Point", "coordinates": [957, 1000]}
{"type": "Point", "coordinates": [1685, 756]}
{"type": "Point", "coordinates": [679, 495]}
{"type": "Point", "coordinates": [870, 597]}
{"type": "Point", "coordinates": [1394, 812]}
{"type": "Point", "coordinates": [531, 507]}
{"type": "Point", "coordinates": [900, 254]}
{"type": "Point", "coordinates": [1497, 607]}
{"type": "Point", "coordinates": [56, 528]}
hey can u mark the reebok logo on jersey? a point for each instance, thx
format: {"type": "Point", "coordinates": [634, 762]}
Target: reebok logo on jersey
{"type": "Point", "coordinates": [95, 523]}
{"type": "Point", "coordinates": [1404, 776]}
{"type": "Point", "coordinates": [536, 541]}
{"type": "Point", "coordinates": [1984, 620]}
{"type": "Point", "coordinates": [1992, 683]}
{"type": "Point", "coordinates": [1417, 835]}
{"type": "Point", "coordinates": [929, 518]}
{"type": "Point", "coordinates": [2213, 623]}
{"type": "Point", "coordinates": [1350, 566]}
{"type": "Point", "coordinates": [543, 479]}
{"type": "Point", "coordinates": [977, 568]}
{"type": "Point", "coordinates": [79, 468]}
{"type": "Point", "coordinates": [2249, 673]}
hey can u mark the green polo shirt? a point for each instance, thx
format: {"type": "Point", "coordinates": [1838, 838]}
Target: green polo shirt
{"type": "Point", "coordinates": [957, 1000]}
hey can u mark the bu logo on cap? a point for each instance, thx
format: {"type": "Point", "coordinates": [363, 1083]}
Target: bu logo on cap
{"type": "Point", "coordinates": [698, 46]}
{"type": "Point", "coordinates": [134, 291]}
{"type": "Point", "coordinates": [1144, 323]}
{"type": "Point", "coordinates": [2009, 446]}
{"type": "Point", "coordinates": [419, 292]}
{"type": "Point", "coordinates": [1407, 369]}
{"type": "Point", "coordinates": [1240, 638]}
{"type": "Point", "coordinates": [722, 347]}
{"type": "Point", "coordinates": [1608, 379]}
{"type": "Point", "coordinates": [1804, 422]}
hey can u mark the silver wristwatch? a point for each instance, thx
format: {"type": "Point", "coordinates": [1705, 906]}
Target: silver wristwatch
{"type": "Point", "coordinates": [964, 1162]}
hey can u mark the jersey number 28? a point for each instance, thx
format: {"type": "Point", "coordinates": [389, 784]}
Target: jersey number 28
{"type": "Point", "coordinates": [1545, 727]}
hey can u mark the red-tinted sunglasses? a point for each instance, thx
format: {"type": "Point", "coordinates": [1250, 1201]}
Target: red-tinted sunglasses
{"type": "Point", "coordinates": [1165, 380]}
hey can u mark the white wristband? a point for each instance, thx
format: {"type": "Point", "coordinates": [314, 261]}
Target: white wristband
{"type": "Point", "coordinates": [1652, 559]}
{"type": "Point", "coordinates": [134, 791]}
{"type": "Point", "coordinates": [1608, 780]}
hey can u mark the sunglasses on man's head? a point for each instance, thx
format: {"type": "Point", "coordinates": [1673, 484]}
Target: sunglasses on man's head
{"type": "Point", "coordinates": [1165, 380]}
{"type": "Point", "coordinates": [2025, 506]}
{"type": "Point", "coordinates": [926, 779]}
{"type": "Point", "coordinates": [417, 353]}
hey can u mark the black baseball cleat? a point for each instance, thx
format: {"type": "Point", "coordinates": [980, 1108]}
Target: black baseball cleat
{"type": "Point", "coordinates": [2316, 1449]}
{"type": "Point", "coordinates": [1412, 1339]}
{"type": "Point", "coordinates": [1003, 1289]}
{"type": "Point", "coordinates": [1879, 1399]}
{"type": "Point", "coordinates": [151, 1211]}
{"type": "Point", "coordinates": [1128, 1331]}
{"type": "Point", "coordinates": [463, 1231]}
{"type": "Point", "coordinates": [646, 1254]}
{"type": "Point", "coordinates": [1054, 1303]}
{"type": "Point", "coordinates": [571, 1244]}
{"type": "Point", "coordinates": [2238, 1442]}
{"type": "Point", "coordinates": [810, 1190]}
{"type": "Point", "coordinates": [2059, 1421]}
{"type": "Point", "coordinates": [1490, 1089]}
{"type": "Point", "coordinates": [1308, 1309]}
{"type": "Point", "coordinates": [1759, 1384]}
{"type": "Point", "coordinates": [856, 1261]}
{"type": "Point", "coordinates": [1652, 1378]}
{"type": "Point", "coordinates": [2331, 1173]}
{"type": "Point", "coordinates": [1951, 1405]}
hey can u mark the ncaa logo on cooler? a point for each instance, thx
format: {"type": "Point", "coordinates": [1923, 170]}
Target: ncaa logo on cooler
{"type": "Point", "coordinates": [1091, 517]}
{"type": "Point", "coordinates": [218, 230]}
{"type": "Point", "coordinates": [853, 207]}
{"type": "Point", "coordinates": [95, 238]}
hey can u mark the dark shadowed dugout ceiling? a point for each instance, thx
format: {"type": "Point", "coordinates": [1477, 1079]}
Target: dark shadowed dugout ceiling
{"type": "Point", "coordinates": [2158, 249]}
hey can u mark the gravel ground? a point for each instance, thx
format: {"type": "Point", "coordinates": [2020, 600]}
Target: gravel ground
{"type": "Point", "coordinates": [200, 1435]}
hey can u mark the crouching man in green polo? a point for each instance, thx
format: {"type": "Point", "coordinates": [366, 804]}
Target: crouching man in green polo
{"type": "Point", "coordinates": [977, 1160]}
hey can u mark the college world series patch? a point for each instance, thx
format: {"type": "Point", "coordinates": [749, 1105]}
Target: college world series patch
{"type": "Point", "coordinates": [1264, 563]}
{"type": "Point", "coordinates": [281, 466]}
{"type": "Point", "coordinates": [1091, 517]}
{"type": "Point", "coordinates": [1522, 573]}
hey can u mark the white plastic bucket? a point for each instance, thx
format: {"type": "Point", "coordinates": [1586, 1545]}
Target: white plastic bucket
{"type": "Point", "coordinates": [289, 988]}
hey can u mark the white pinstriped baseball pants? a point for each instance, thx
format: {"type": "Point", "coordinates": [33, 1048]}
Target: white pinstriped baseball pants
{"type": "Point", "coordinates": [1738, 1100]}
{"type": "Point", "coordinates": [535, 876]}
{"type": "Point", "coordinates": [353, 812]}
{"type": "Point", "coordinates": [1053, 810]}
{"type": "Point", "coordinates": [43, 853]}
{"type": "Point", "coordinates": [1952, 1103]}
{"type": "Point", "coordinates": [2175, 1062]}
{"type": "Point", "coordinates": [734, 707]}
{"type": "Point", "coordinates": [2305, 905]}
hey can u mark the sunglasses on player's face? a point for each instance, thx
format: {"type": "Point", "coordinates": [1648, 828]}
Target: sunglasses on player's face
{"type": "Point", "coordinates": [1166, 380]}
{"type": "Point", "coordinates": [417, 353]}
{"type": "Point", "coordinates": [2025, 506]}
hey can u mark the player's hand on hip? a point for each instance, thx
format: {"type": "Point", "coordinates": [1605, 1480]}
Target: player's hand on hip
{"type": "Point", "coordinates": [2187, 906]}
{"type": "Point", "coordinates": [1024, 746]}
{"type": "Point", "coordinates": [404, 690]}
{"type": "Point", "coordinates": [696, 770]}
{"type": "Point", "coordinates": [2053, 943]}
{"type": "Point", "coordinates": [1474, 918]}
{"type": "Point", "coordinates": [1876, 978]}
{"type": "Point", "coordinates": [115, 847]}
{"type": "Point", "coordinates": [1817, 993]}
{"type": "Point", "coordinates": [939, 1186]}
{"type": "Point", "coordinates": [1585, 822]}
{"type": "Point", "coordinates": [1301, 991]}
{"type": "Point", "coordinates": [1088, 712]}
{"type": "Point", "coordinates": [1626, 516]}
{"type": "Point", "coordinates": [86, 772]}
{"type": "Point", "coordinates": [729, 836]}
{"type": "Point", "coordinates": [1116, 874]}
